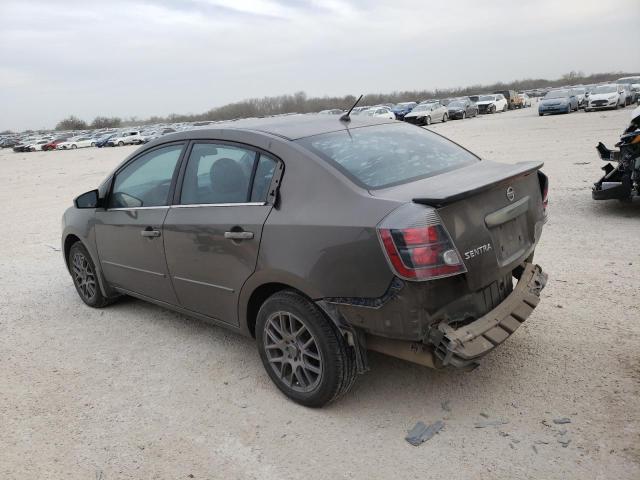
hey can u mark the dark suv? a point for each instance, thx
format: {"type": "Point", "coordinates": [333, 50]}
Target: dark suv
{"type": "Point", "coordinates": [322, 238]}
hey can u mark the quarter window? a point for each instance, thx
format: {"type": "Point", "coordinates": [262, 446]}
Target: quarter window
{"type": "Point", "coordinates": [262, 180]}
{"type": "Point", "coordinates": [146, 181]}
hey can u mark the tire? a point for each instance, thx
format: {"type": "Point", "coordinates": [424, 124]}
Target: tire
{"type": "Point", "coordinates": [445, 117]}
{"type": "Point", "coordinates": [74, 146]}
{"type": "Point", "coordinates": [93, 144]}
{"type": "Point", "coordinates": [85, 278]}
{"type": "Point", "coordinates": [540, 114]}
{"type": "Point", "coordinates": [464, 115]}
{"type": "Point", "coordinates": [492, 109]}
{"type": "Point", "coordinates": [323, 374]}
{"type": "Point", "coordinates": [120, 143]}
{"type": "Point", "coordinates": [427, 120]}
{"type": "Point", "coordinates": [506, 107]}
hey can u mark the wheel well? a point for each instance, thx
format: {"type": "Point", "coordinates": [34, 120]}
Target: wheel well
{"type": "Point", "coordinates": [258, 297]}
{"type": "Point", "coordinates": [70, 240]}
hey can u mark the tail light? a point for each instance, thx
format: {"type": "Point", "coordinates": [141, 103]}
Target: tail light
{"type": "Point", "coordinates": [417, 244]}
{"type": "Point", "coordinates": [544, 189]}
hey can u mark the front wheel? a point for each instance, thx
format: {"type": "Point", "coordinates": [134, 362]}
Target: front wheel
{"type": "Point", "coordinates": [445, 117]}
{"type": "Point", "coordinates": [303, 352]}
{"type": "Point", "coordinates": [93, 144]}
{"type": "Point", "coordinates": [427, 121]}
{"type": "Point", "coordinates": [464, 115]}
{"type": "Point", "coordinates": [74, 147]}
{"type": "Point", "coordinates": [120, 144]}
{"type": "Point", "coordinates": [505, 108]}
{"type": "Point", "coordinates": [85, 277]}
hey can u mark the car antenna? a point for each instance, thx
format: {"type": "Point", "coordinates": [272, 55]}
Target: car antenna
{"type": "Point", "coordinates": [346, 117]}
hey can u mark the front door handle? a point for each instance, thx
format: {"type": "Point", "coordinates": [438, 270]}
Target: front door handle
{"type": "Point", "coordinates": [150, 232]}
{"type": "Point", "coordinates": [241, 235]}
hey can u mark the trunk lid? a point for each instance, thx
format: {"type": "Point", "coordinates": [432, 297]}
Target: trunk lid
{"type": "Point", "coordinates": [492, 211]}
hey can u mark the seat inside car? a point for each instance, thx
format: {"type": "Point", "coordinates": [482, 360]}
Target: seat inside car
{"type": "Point", "coordinates": [229, 183]}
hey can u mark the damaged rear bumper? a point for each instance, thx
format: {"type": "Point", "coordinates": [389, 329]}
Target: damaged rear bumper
{"type": "Point", "coordinates": [462, 347]}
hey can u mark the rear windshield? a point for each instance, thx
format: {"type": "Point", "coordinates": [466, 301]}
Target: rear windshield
{"type": "Point", "coordinates": [385, 155]}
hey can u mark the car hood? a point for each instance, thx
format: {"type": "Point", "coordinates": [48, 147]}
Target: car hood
{"type": "Point", "coordinates": [602, 96]}
{"type": "Point", "coordinates": [420, 113]}
{"type": "Point", "coordinates": [554, 101]}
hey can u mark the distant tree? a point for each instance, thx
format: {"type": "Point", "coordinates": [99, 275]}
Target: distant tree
{"type": "Point", "coordinates": [106, 122]}
{"type": "Point", "coordinates": [71, 123]}
{"type": "Point", "coordinates": [6, 132]}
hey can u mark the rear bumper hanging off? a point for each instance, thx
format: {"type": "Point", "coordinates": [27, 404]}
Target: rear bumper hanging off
{"type": "Point", "coordinates": [462, 347]}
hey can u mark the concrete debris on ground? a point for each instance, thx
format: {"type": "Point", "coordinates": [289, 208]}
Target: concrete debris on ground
{"type": "Point", "coordinates": [420, 433]}
{"type": "Point", "coordinates": [561, 421]}
{"type": "Point", "coordinates": [490, 423]}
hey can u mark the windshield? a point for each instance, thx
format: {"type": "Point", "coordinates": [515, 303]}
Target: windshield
{"type": "Point", "coordinates": [456, 105]}
{"type": "Point", "coordinates": [486, 98]}
{"type": "Point", "coordinates": [628, 80]}
{"type": "Point", "coordinates": [605, 89]}
{"type": "Point", "coordinates": [557, 94]}
{"type": "Point", "coordinates": [421, 108]}
{"type": "Point", "coordinates": [579, 90]}
{"type": "Point", "coordinates": [385, 155]}
{"type": "Point", "coordinates": [401, 106]}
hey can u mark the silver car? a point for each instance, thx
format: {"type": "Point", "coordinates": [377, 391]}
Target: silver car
{"type": "Point", "coordinates": [427, 113]}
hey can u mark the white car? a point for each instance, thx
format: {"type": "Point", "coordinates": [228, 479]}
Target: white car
{"type": "Point", "coordinates": [427, 113]}
{"type": "Point", "coordinates": [130, 137]}
{"type": "Point", "coordinates": [492, 103]}
{"type": "Point", "coordinates": [606, 96]}
{"type": "Point", "coordinates": [37, 144]}
{"type": "Point", "coordinates": [76, 142]}
{"type": "Point", "coordinates": [526, 100]}
{"type": "Point", "coordinates": [380, 112]}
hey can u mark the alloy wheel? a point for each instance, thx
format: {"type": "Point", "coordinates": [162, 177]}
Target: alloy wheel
{"type": "Point", "coordinates": [84, 276]}
{"type": "Point", "coordinates": [292, 351]}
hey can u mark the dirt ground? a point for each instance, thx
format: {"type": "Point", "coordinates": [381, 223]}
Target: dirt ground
{"type": "Point", "coordinates": [134, 391]}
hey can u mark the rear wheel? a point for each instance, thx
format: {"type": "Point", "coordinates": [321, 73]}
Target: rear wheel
{"type": "Point", "coordinates": [93, 144]}
{"type": "Point", "coordinates": [120, 143]}
{"type": "Point", "coordinates": [445, 117]}
{"type": "Point", "coordinates": [505, 108]}
{"type": "Point", "coordinates": [74, 146]}
{"type": "Point", "coordinates": [85, 278]}
{"type": "Point", "coordinates": [464, 115]}
{"type": "Point", "coordinates": [303, 352]}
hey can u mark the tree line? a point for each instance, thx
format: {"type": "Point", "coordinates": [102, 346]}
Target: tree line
{"type": "Point", "coordinates": [299, 102]}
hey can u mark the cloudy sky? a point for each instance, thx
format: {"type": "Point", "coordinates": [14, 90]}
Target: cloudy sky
{"type": "Point", "coordinates": [155, 57]}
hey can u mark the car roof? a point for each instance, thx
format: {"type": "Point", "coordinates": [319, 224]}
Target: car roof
{"type": "Point", "coordinates": [291, 127]}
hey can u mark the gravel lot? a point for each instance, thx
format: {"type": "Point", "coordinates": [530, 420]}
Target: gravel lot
{"type": "Point", "coordinates": [134, 391]}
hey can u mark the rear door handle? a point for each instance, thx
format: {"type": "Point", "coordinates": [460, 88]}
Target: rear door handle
{"type": "Point", "coordinates": [241, 235]}
{"type": "Point", "coordinates": [150, 232]}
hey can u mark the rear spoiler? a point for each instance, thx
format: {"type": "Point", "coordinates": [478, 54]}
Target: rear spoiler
{"type": "Point", "coordinates": [468, 181]}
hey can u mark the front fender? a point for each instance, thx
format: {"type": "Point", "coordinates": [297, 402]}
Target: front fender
{"type": "Point", "coordinates": [79, 223]}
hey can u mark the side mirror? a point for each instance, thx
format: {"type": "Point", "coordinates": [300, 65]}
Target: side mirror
{"type": "Point", "coordinates": [87, 200]}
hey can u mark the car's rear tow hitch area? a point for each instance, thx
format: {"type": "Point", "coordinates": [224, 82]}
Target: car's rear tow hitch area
{"type": "Point", "coordinates": [462, 347]}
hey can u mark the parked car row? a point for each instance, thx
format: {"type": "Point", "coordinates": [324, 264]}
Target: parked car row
{"type": "Point", "coordinates": [74, 140]}
{"type": "Point", "coordinates": [590, 97]}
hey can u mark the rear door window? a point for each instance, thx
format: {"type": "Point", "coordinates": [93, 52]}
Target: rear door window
{"type": "Point", "coordinates": [217, 174]}
{"type": "Point", "coordinates": [385, 155]}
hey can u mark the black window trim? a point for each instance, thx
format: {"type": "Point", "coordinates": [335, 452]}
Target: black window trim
{"type": "Point", "coordinates": [275, 182]}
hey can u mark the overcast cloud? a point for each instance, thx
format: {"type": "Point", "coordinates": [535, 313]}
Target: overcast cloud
{"type": "Point", "coordinates": [155, 57]}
